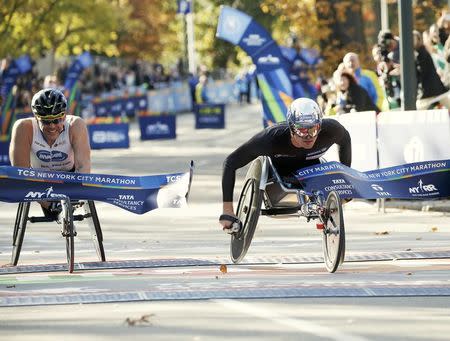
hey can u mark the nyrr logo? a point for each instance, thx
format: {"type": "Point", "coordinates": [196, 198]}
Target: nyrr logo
{"type": "Point", "coordinates": [157, 129]}
{"type": "Point", "coordinates": [422, 188]}
{"type": "Point", "coordinates": [254, 40]}
{"type": "Point", "coordinates": [269, 59]}
{"type": "Point", "coordinates": [47, 193]}
{"type": "Point", "coordinates": [380, 190]}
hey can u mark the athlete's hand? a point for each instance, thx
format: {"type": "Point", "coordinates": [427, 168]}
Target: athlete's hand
{"type": "Point", "coordinates": [230, 223]}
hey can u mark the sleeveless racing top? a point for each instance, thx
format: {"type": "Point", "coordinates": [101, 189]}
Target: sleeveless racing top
{"type": "Point", "coordinates": [58, 157]}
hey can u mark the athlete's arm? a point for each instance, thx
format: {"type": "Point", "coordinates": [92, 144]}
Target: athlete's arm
{"type": "Point", "coordinates": [258, 145]}
{"type": "Point", "coordinates": [344, 142]}
{"type": "Point", "coordinates": [20, 146]}
{"type": "Point", "coordinates": [80, 144]}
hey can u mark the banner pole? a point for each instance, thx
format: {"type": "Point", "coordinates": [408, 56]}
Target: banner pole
{"type": "Point", "coordinates": [190, 39]}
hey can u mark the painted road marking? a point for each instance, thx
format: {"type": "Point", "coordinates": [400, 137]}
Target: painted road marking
{"type": "Point", "coordinates": [257, 310]}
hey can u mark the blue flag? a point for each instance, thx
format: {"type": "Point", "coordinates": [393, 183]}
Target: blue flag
{"type": "Point", "coordinates": [272, 70]}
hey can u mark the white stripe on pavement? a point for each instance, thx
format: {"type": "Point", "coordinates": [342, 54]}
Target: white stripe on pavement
{"type": "Point", "coordinates": [294, 323]}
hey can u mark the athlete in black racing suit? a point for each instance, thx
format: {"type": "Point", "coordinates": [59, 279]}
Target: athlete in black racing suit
{"type": "Point", "coordinates": [299, 142]}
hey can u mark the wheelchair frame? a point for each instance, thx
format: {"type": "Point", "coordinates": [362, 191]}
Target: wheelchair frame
{"type": "Point", "coordinates": [68, 231]}
{"type": "Point", "coordinates": [264, 184]}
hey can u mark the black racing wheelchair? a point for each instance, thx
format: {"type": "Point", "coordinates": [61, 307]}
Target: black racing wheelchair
{"type": "Point", "coordinates": [263, 184]}
{"type": "Point", "coordinates": [66, 219]}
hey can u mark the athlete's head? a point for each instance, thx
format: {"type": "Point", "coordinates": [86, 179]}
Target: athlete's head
{"type": "Point", "coordinates": [49, 104]}
{"type": "Point", "coordinates": [304, 118]}
{"type": "Point", "coordinates": [49, 107]}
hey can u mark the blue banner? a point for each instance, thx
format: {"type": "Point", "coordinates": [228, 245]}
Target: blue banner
{"type": "Point", "coordinates": [272, 69]}
{"type": "Point", "coordinates": [80, 63]}
{"type": "Point", "coordinates": [209, 116]}
{"type": "Point", "coordinates": [104, 136]}
{"type": "Point", "coordinates": [184, 6]}
{"type": "Point", "coordinates": [158, 127]}
{"type": "Point", "coordinates": [4, 153]}
{"type": "Point", "coordinates": [135, 194]}
{"type": "Point", "coordinates": [121, 106]}
{"type": "Point", "coordinates": [420, 180]}
{"type": "Point", "coordinates": [8, 79]}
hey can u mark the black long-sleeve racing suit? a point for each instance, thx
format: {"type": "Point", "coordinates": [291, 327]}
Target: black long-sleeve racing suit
{"type": "Point", "coordinates": [275, 141]}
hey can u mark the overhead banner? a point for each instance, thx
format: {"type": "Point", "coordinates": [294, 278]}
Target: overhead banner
{"type": "Point", "coordinates": [272, 70]}
{"type": "Point", "coordinates": [103, 136]}
{"type": "Point", "coordinates": [412, 136]}
{"type": "Point", "coordinates": [209, 116]}
{"type": "Point", "coordinates": [420, 180]}
{"type": "Point", "coordinates": [132, 193]}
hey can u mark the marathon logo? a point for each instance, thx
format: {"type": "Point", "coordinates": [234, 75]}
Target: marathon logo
{"type": "Point", "coordinates": [108, 137]}
{"type": "Point", "coordinates": [254, 40]}
{"type": "Point", "coordinates": [423, 190]}
{"type": "Point", "coordinates": [380, 190]}
{"type": "Point", "coordinates": [157, 129]}
{"type": "Point", "coordinates": [47, 193]}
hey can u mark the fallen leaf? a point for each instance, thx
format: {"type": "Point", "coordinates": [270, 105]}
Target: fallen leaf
{"type": "Point", "coordinates": [434, 229]}
{"type": "Point", "coordinates": [143, 319]}
{"type": "Point", "coordinates": [409, 274]}
{"type": "Point", "coordinates": [408, 249]}
{"type": "Point", "coordinates": [223, 268]}
{"type": "Point", "coordinates": [11, 286]}
{"type": "Point", "coordinates": [217, 277]}
{"type": "Point", "coordinates": [419, 238]}
{"type": "Point", "coordinates": [382, 233]}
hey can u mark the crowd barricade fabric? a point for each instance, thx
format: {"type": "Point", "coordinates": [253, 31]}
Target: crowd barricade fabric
{"type": "Point", "coordinates": [158, 127]}
{"type": "Point", "coordinates": [4, 153]}
{"type": "Point", "coordinates": [413, 136]}
{"type": "Point", "coordinates": [114, 135]}
{"type": "Point", "coordinates": [363, 131]}
{"type": "Point", "coordinates": [209, 116]}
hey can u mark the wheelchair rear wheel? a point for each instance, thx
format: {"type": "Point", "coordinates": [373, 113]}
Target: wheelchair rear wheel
{"type": "Point", "coordinates": [20, 226]}
{"type": "Point", "coordinates": [96, 231]}
{"type": "Point", "coordinates": [248, 211]}
{"type": "Point", "coordinates": [334, 233]}
{"type": "Point", "coordinates": [68, 232]}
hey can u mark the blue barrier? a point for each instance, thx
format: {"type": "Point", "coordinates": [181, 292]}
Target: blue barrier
{"type": "Point", "coordinates": [209, 116]}
{"type": "Point", "coordinates": [158, 127]}
{"type": "Point", "coordinates": [103, 136]}
{"type": "Point", "coordinates": [4, 153]}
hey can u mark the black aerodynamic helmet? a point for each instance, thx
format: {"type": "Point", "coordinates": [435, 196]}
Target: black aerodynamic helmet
{"type": "Point", "coordinates": [49, 104]}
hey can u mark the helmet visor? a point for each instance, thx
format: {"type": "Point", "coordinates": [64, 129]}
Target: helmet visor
{"type": "Point", "coordinates": [306, 133]}
{"type": "Point", "coordinates": [50, 117]}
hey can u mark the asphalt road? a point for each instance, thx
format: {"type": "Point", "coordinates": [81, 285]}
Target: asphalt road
{"type": "Point", "coordinates": [164, 279]}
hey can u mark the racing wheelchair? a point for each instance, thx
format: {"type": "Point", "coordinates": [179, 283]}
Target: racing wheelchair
{"type": "Point", "coordinates": [66, 219]}
{"type": "Point", "coordinates": [263, 184]}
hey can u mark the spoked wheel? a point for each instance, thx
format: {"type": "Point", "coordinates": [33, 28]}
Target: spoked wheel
{"type": "Point", "coordinates": [333, 233]}
{"type": "Point", "coordinates": [248, 211]}
{"type": "Point", "coordinates": [96, 231]}
{"type": "Point", "coordinates": [20, 226]}
{"type": "Point", "coordinates": [68, 232]}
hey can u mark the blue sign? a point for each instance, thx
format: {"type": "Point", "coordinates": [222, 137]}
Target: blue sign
{"type": "Point", "coordinates": [158, 127]}
{"type": "Point", "coordinates": [420, 180]}
{"type": "Point", "coordinates": [103, 136]}
{"type": "Point", "coordinates": [80, 63]}
{"type": "Point", "coordinates": [4, 153]}
{"type": "Point", "coordinates": [184, 6]}
{"type": "Point", "coordinates": [209, 116]}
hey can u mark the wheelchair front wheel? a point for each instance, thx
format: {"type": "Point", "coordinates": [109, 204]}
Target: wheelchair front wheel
{"type": "Point", "coordinates": [96, 231]}
{"type": "Point", "coordinates": [20, 226]}
{"type": "Point", "coordinates": [333, 242]}
{"type": "Point", "coordinates": [68, 232]}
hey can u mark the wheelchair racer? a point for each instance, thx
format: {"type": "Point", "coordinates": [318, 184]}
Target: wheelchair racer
{"type": "Point", "coordinates": [50, 140]}
{"type": "Point", "coordinates": [299, 142]}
